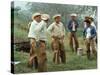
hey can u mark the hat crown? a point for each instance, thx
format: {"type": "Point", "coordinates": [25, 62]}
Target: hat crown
{"type": "Point", "coordinates": [35, 14]}
{"type": "Point", "coordinates": [57, 15]}
{"type": "Point", "coordinates": [45, 16]}
{"type": "Point", "coordinates": [73, 14]}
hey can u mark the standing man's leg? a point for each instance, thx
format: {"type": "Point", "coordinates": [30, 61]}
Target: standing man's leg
{"type": "Point", "coordinates": [62, 51]}
{"type": "Point", "coordinates": [33, 56]}
{"type": "Point", "coordinates": [92, 44]}
{"type": "Point", "coordinates": [88, 48]}
{"type": "Point", "coordinates": [71, 41]}
{"type": "Point", "coordinates": [42, 58]}
{"type": "Point", "coordinates": [55, 47]}
{"type": "Point", "coordinates": [32, 46]}
{"type": "Point", "coordinates": [76, 41]}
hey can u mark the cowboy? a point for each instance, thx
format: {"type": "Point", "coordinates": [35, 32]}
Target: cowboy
{"type": "Point", "coordinates": [36, 17]}
{"type": "Point", "coordinates": [93, 24]}
{"type": "Point", "coordinates": [42, 39]}
{"type": "Point", "coordinates": [89, 34]}
{"type": "Point", "coordinates": [72, 27]}
{"type": "Point", "coordinates": [57, 31]}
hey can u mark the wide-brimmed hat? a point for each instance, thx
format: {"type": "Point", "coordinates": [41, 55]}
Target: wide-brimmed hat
{"type": "Point", "coordinates": [36, 14]}
{"type": "Point", "coordinates": [45, 17]}
{"type": "Point", "coordinates": [57, 15]}
{"type": "Point", "coordinates": [73, 14]}
{"type": "Point", "coordinates": [88, 21]}
{"type": "Point", "coordinates": [87, 16]}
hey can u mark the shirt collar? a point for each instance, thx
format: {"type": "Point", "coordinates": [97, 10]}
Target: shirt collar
{"type": "Point", "coordinates": [36, 22]}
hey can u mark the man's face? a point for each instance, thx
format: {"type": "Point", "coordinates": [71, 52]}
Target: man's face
{"type": "Point", "coordinates": [58, 19]}
{"type": "Point", "coordinates": [88, 24]}
{"type": "Point", "coordinates": [73, 17]}
{"type": "Point", "coordinates": [38, 18]}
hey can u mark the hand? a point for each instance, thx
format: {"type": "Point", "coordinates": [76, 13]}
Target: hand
{"type": "Point", "coordinates": [62, 37]}
{"type": "Point", "coordinates": [90, 38]}
{"type": "Point", "coordinates": [52, 36]}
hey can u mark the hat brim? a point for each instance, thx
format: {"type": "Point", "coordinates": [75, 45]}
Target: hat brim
{"type": "Point", "coordinates": [56, 17]}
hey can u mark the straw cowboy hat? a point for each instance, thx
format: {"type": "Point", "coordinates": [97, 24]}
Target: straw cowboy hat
{"type": "Point", "coordinates": [73, 14]}
{"type": "Point", "coordinates": [87, 16]}
{"type": "Point", "coordinates": [45, 17]}
{"type": "Point", "coordinates": [57, 15]}
{"type": "Point", "coordinates": [36, 14]}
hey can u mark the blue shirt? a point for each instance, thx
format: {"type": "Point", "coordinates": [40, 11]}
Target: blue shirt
{"type": "Point", "coordinates": [70, 25]}
{"type": "Point", "coordinates": [92, 31]}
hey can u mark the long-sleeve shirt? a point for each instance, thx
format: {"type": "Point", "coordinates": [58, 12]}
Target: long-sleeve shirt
{"type": "Point", "coordinates": [32, 32]}
{"type": "Point", "coordinates": [72, 25]}
{"type": "Point", "coordinates": [57, 30]}
{"type": "Point", "coordinates": [93, 24]}
{"type": "Point", "coordinates": [89, 32]}
{"type": "Point", "coordinates": [41, 30]}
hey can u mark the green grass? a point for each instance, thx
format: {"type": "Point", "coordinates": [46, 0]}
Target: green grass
{"type": "Point", "coordinates": [74, 62]}
{"type": "Point", "coordinates": [20, 34]}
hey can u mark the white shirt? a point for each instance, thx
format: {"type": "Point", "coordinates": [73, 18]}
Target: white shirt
{"type": "Point", "coordinates": [41, 31]}
{"type": "Point", "coordinates": [73, 26]}
{"type": "Point", "coordinates": [88, 31]}
{"type": "Point", "coordinates": [32, 33]}
{"type": "Point", "coordinates": [56, 29]}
